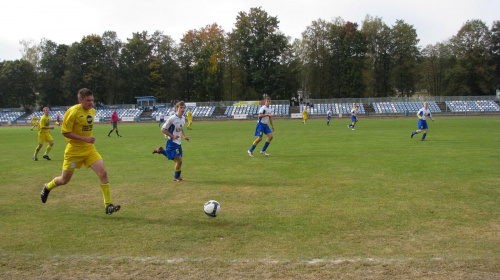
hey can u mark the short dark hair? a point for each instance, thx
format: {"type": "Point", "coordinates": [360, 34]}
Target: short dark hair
{"type": "Point", "coordinates": [84, 92]}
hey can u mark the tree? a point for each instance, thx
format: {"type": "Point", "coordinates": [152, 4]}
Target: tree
{"type": "Point", "coordinates": [85, 67]}
{"type": "Point", "coordinates": [135, 68]}
{"type": "Point", "coordinates": [258, 46]}
{"type": "Point", "coordinates": [334, 59]}
{"type": "Point", "coordinates": [405, 54]}
{"type": "Point", "coordinates": [378, 57]}
{"type": "Point", "coordinates": [17, 84]}
{"type": "Point", "coordinates": [165, 85]}
{"type": "Point", "coordinates": [203, 52]}
{"type": "Point", "coordinates": [52, 71]}
{"type": "Point", "coordinates": [437, 62]}
{"type": "Point", "coordinates": [31, 52]}
{"type": "Point", "coordinates": [110, 65]}
{"type": "Point", "coordinates": [495, 54]}
{"type": "Point", "coordinates": [473, 75]}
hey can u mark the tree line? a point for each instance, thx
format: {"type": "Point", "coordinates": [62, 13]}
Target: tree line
{"type": "Point", "coordinates": [333, 59]}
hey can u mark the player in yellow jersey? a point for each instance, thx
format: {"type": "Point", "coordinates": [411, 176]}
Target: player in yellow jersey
{"type": "Point", "coordinates": [304, 115]}
{"type": "Point", "coordinates": [34, 121]}
{"type": "Point", "coordinates": [189, 118]}
{"type": "Point", "coordinates": [44, 135]}
{"type": "Point", "coordinates": [77, 128]}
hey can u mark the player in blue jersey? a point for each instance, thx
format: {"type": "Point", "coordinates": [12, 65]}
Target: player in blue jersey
{"type": "Point", "coordinates": [422, 115]}
{"type": "Point", "coordinates": [354, 116]}
{"type": "Point", "coordinates": [329, 116]}
{"type": "Point", "coordinates": [174, 129]}
{"type": "Point", "coordinates": [265, 116]}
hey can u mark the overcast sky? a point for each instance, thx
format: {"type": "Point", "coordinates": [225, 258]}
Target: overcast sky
{"type": "Point", "coordinates": [68, 21]}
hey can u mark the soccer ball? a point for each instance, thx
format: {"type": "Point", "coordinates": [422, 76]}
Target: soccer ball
{"type": "Point", "coordinates": [212, 208]}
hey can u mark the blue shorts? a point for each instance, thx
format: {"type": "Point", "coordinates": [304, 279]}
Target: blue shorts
{"type": "Point", "coordinates": [328, 117]}
{"type": "Point", "coordinates": [422, 124]}
{"type": "Point", "coordinates": [354, 119]}
{"type": "Point", "coordinates": [173, 150]}
{"type": "Point", "coordinates": [262, 128]}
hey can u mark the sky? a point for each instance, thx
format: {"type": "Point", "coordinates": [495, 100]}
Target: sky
{"type": "Point", "coordinates": [68, 21]}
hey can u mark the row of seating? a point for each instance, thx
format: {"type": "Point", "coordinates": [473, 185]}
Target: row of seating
{"type": "Point", "coordinates": [100, 113]}
{"type": "Point", "coordinates": [284, 110]}
{"type": "Point", "coordinates": [473, 106]}
{"type": "Point", "coordinates": [52, 115]}
{"type": "Point", "coordinates": [129, 113]}
{"type": "Point", "coordinates": [9, 116]}
{"type": "Point", "coordinates": [337, 108]}
{"type": "Point", "coordinates": [198, 111]}
{"type": "Point", "coordinates": [403, 107]}
{"type": "Point", "coordinates": [250, 110]}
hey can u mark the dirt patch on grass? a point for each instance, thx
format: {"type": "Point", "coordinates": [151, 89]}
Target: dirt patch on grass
{"type": "Point", "coordinates": [34, 267]}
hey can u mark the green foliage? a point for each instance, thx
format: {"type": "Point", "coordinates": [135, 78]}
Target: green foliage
{"type": "Point", "coordinates": [258, 48]}
{"type": "Point", "coordinates": [333, 59]}
{"type": "Point", "coordinates": [17, 84]}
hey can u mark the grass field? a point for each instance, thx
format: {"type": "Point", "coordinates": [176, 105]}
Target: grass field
{"type": "Point", "coordinates": [328, 203]}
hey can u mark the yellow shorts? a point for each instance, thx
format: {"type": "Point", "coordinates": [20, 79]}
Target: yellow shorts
{"type": "Point", "coordinates": [75, 157]}
{"type": "Point", "coordinates": [44, 138]}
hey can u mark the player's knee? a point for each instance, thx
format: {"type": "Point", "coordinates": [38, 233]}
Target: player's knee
{"type": "Point", "coordinates": [102, 173]}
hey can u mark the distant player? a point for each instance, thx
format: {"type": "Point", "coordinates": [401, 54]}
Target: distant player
{"type": "Point", "coordinates": [34, 121]}
{"type": "Point", "coordinates": [422, 115]}
{"type": "Point", "coordinates": [262, 128]}
{"type": "Point", "coordinates": [189, 118]}
{"type": "Point", "coordinates": [44, 135]}
{"type": "Point", "coordinates": [174, 129]}
{"type": "Point", "coordinates": [114, 123]}
{"type": "Point", "coordinates": [354, 116]}
{"type": "Point", "coordinates": [162, 120]}
{"type": "Point", "coordinates": [58, 119]}
{"type": "Point", "coordinates": [304, 115]}
{"type": "Point", "coordinates": [329, 116]}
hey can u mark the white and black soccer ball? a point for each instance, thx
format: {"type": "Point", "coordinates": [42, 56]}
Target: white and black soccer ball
{"type": "Point", "coordinates": [212, 208]}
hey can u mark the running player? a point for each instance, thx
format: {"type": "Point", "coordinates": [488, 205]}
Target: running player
{"type": "Point", "coordinates": [329, 116]}
{"type": "Point", "coordinates": [265, 116]}
{"type": "Point", "coordinates": [189, 118]}
{"type": "Point", "coordinates": [422, 115]}
{"type": "Point", "coordinates": [354, 116]}
{"type": "Point", "coordinates": [77, 128]}
{"type": "Point", "coordinates": [173, 128]}
{"type": "Point", "coordinates": [34, 121]}
{"type": "Point", "coordinates": [44, 135]}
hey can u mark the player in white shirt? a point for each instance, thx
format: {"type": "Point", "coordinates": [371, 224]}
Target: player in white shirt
{"type": "Point", "coordinates": [354, 116]}
{"type": "Point", "coordinates": [174, 129]}
{"type": "Point", "coordinates": [262, 128]}
{"type": "Point", "coordinates": [329, 116]}
{"type": "Point", "coordinates": [422, 115]}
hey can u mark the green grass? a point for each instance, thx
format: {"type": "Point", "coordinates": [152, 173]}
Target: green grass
{"type": "Point", "coordinates": [371, 198]}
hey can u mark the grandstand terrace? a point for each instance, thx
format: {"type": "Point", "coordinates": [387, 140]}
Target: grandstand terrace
{"type": "Point", "coordinates": [385, 107]}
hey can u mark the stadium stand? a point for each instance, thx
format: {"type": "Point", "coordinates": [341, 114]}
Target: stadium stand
{"type": "Point", "coordinates": [198, 111]}
{"type": "Point", "coordinates": [473, 106]}
{"type": "Point", "coordinates": [280, 110]}
{"type": "Point", "coordinates": [52, 115]}
{"type": "Point", "coordinates": [106, 113]}
{"type": "Point", "coordinates": [337, 108]}
{"type": "Point", "coordinates": [9, 116]}
{"type": "Point", "coordinates": [403, 107]}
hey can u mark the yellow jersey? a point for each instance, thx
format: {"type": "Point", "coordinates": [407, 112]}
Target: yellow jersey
{"type": "Point", "coordinates": [189, 115]}
{"type": "Point", "coordinates": [78, 121]}
{"type": "Point", "coordinates": [44, 121]}
{"type": "Point", "coordinates": [33, 119]}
